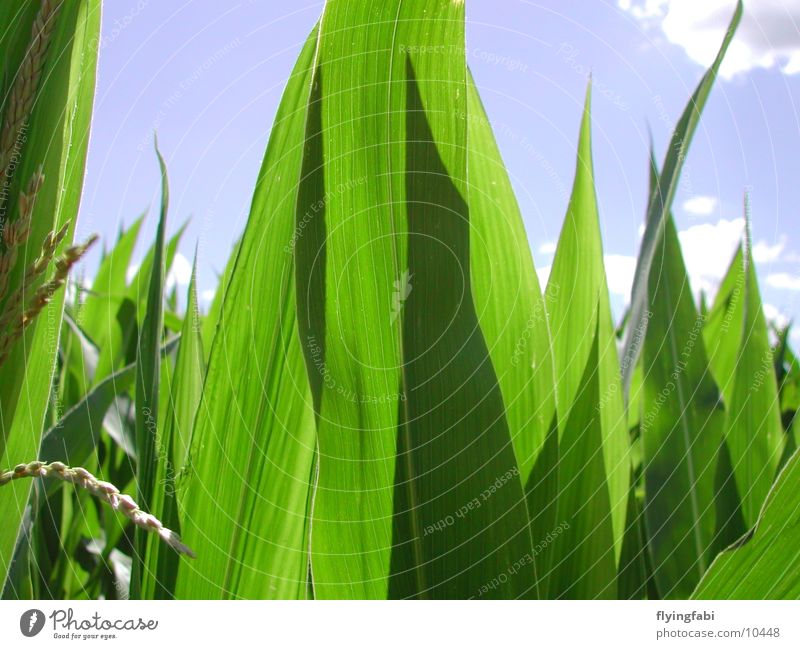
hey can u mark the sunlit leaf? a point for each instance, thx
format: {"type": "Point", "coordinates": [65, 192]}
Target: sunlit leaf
{"type": "Point", "coordinates": [766, 563]}
{"type": "Point", "coordinates": [244, 504]}
{"type": "Point", "coordinates": [56, 138]}
{"type": "Point", "coordinates": [660, 202]}
{"type": "Point", "coordinates": [681, 426]}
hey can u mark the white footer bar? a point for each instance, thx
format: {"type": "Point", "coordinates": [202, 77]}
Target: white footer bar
{"type": "Point", "coordinates": [385, 625]}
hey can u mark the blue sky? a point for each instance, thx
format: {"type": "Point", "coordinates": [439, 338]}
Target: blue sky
{"type": "Point", "coordinates": [208, 76]}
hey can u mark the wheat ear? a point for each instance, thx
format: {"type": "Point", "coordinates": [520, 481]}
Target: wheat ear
{"type": "Point", "coordinates": [23, 92]}
{"type": "Point", "coordinates": [104, 491]}
{"type": "Point", "coordinates": [16, 234]}
{"type": "Point", "coordinates": [12, 317]}
{"type": "Point", "coordinates": [13, 308]}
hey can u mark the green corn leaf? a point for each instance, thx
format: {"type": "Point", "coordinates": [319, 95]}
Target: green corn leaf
{"type": "Point", "coordinates": [348, 257]}
{"type": "Point", "coordinates": [211, 319]}
{"type": "Point", "coordinates": [19, 583]}
{"type": "Point", "coordinates": [122, 314]}
{"type": "Point", "coordinates": [766, 563]}
{"type": "Point", "coordinates": [453, 426]}
{"type": "Point", "coordinates": [787, 371]}
{"type": "Point", "coordinates": [415, 454]}
{"type": "Point", "coordinates": [703, 306]}
{"type": "Point", "coordinates": [753, 429]}
{"type": "Point", "coordinates": [172, 320]}
{"type": "Point", "coordinates": [584, 564]}
{"type": "Point", "coordinates": [730, 524]}
{"type": "Point", "coordinates": [109, 285]}
{"type": "Point", "coordinates": [577, 279]}
{"type": "Point", "coordinates": [187, 386]}
{"type": "Point", "coordinates": [635, 574]}
{"type": "Point", "coordinates": [787, 394]}
{"type": "Point", "coordinates": [180, 398]}
{"type": "Point", "coordinates": [73, 439]}
{"type": "Point", "coordinates": [634, 403]}
{"type": "Point", "coordinates": [512, 313]}
{"type": "Point", "coordinates": [148, 372]}
{"type": "Point", "coordinates": [79, 362]}
{"type": "Point", "coordinates": [681, 427]}
{"type": "Point", "coordinates": [14, 42]}
{"type": "Point", "coordinates": [244, 504]}
{"type": "Point", "coordinates": [593, 441]}
{"type": "Point", "coordinates": [722, 332]}
{"type": "Point", "coordinates": [722, 335]}
{"type": "Point", "coordinates": [57, 136]}
{"type": "Point", "coordinates": [660, 203]}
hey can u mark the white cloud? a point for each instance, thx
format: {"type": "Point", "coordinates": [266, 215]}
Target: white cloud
{"type": "Point", "coordinates": [544, 274]}
{"type": "Point", "coordinates": [207, 296]}
{"type": "Point", "coordinates": [643, 10]}
{"type": "Point", "coordinates": [763, 253]}
{"type": "Point", "coordinates": [775, 316]}
{"type": "Point", "coordinates": [793, 64]}
{"type": "Point", "coordinates": [708, 249]}
{"type": "Point", "coordinates": [619, 271]}
{"type": "Point", "coordinates": [180, 274]}
{"type": "Point", "coordinates": [700, 205]}
{"type": "Point", "coordinates": [784, 280]}
{"type": "Point", "coordinates": [768, 35]}
{"type": "Point", "coordinates": [548, 248]}
{"type": "Point", "coordinates": [130, 273]}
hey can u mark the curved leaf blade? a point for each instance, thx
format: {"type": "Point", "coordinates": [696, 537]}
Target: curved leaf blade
{"type": "Point", "coordinates": [244, 503]}
{"type": "Point", "coordinates": [660, 203]}
{"type": "Point", "coordinates": [753, 429]}
{"type": "Point", "coordinates": [594, 464]}
{"type": "Point", "coordinates": [681, 427]}
{"type": "Point", "coordinates": [766, 563]}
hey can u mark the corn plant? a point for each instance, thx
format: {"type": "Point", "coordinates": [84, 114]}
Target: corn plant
{"type": "Point", "coordinates": [49, 61]}
{"type": "Point", "coordinates": [383, 401]}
